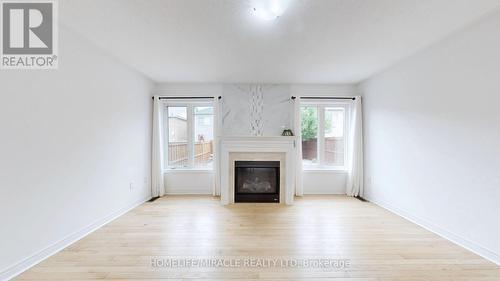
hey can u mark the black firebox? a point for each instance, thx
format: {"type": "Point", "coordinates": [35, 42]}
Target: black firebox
{"type": "Point", "coordinates": [257, 181]}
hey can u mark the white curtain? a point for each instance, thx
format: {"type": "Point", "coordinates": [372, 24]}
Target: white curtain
{"type": "Point", "coordinates": [216, 148]}
{"type": "Point", "coordinates": [355, 152]}
{"type": "Point", "coordinates": [299, 191]}
{"type": "Point", "coordinates": [157, 185]}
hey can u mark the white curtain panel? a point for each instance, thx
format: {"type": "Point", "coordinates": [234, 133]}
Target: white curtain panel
{"type": "Point", "coordinates": [216, 157]}
{"type": "Point", "coordinates": [157, 185]}
{"type": "Point", "coordinates": [299, 190]}
{"type": "Point", "coordinates": [355, 153]}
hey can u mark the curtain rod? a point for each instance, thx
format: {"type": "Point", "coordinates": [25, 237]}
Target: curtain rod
{"type": "Point", "coordinates": [326, 98]}
{"type": "Point", "coordinates": [180, 98]}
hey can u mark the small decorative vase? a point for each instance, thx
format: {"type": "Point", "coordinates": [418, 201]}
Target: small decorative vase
{"type": "Point", "coordinates": [287, 133]}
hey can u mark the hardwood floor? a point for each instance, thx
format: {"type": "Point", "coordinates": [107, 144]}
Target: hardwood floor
{"type": "Point", "coordinates": [376, 244]}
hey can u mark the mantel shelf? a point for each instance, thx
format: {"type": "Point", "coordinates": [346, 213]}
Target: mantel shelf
{"type": "Point", "coordinates": [257, 138]}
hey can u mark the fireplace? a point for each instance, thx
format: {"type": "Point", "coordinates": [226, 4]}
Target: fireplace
{"type": "Point", "coordinates": [257, 181]}
{"type": "Point", "coordinates": [280, 149]}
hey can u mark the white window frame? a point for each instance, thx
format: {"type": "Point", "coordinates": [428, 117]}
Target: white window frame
{"type": "Point", "coordinates": [190, 104]}
{"type": "Point", "coordinates": [321, 105]}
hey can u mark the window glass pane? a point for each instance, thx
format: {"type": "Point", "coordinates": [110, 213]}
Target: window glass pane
{"type": "Point", "coordinates": [177, 136]}
{"type": "Point", "coordinates": [203, 110]}
{"type": "Point", "coordinates": [309, 126]}
{"type": "Point", "coordinates": [334, 136]}
{"type": "Point", "coordinates": [203, 136]}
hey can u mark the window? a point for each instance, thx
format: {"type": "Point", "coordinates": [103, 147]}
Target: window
{"type": "Point", "coordinates": [203, 136]}
{"type": "Point", "coordinates": [177, 136]}
{"type": "Point", "coordinates": [323, 135]}
{"type": "Point", "coordinates": [334, 144]}
{"type": "Point", "coordinates": [189, 135]}
{"type": "Point", "coordinates": [309, 125]}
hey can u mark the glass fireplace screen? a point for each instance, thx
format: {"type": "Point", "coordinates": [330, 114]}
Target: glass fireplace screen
{"type": "Point", "coordinates": [257, 176]}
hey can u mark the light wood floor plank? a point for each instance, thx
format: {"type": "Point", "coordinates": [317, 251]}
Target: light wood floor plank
{"type": "Point", "coordinates": [378, 245]}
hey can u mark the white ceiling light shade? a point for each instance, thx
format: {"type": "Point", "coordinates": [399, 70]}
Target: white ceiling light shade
{"type": "Point", "coordinates": [269, 9]}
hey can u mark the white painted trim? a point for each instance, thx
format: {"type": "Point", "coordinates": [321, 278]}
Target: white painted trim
{"type": "Point", "coordinates": [190, 135]}
{"type": "Point", "coordinates": [188, 171]}
{"type": "Point", "coordinates": [189, 191]}
{"type": "Point", "coordinates": [25, 264]}
{"type": "Point", "coordinates": [320, 135]}
{"type": "Point", "coordinates": [448, 235]}
{"type": "Point", "coordinates": [259, 138]}
{"type": "Point", "coordinates": [322, 171]}
{"type": "Point", "coordinates": [322, 192]}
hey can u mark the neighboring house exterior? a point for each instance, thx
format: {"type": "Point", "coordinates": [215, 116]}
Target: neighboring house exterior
{"type": "Point", "coordinates": [177, 129]}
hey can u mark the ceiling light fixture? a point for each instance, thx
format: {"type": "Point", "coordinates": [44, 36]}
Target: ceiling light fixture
{"type": "Point", "coordinates": [269, 9]}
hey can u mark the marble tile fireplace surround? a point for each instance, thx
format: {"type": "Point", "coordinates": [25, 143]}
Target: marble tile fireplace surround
{"type": "Point", "coordinates": [279, 148]}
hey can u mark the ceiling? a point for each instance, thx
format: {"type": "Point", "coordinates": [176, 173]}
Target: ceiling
{"type": "Point", "coordinates": [314, 41]}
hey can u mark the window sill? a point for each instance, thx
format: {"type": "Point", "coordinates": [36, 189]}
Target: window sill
{"type": "Point", "coordinates": [188, 170]}
{"type": "Point", "coordinates": [324, 169]}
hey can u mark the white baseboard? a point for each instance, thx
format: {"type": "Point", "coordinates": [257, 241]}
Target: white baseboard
{"type": "Point", "coordinates": [324, 191]}
{"type": "Point", "coordinates": [20, 267]}
{"type": "Point", "coordinates": [455, 238]}
{"type": "Point", "coordinates": [188, 191]}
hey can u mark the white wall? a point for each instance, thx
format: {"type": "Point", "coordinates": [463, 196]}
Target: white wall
{"type": "Point", "coordinates": [236, 110]}
{"type": "Point", "coordinates": [432, 137]}
{"type": "Point", "coordinates": [189, 182]}
{"type": "Point", "coordinates": [200, 182]}
{"type": "Point", "coordinates": [324, 182]}
{"type": "Point", "coordinates": [277, 112]}
{"type": "Point", "coordinates": [72, 140]}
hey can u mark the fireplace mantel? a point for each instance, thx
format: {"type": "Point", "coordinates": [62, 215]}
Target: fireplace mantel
{"type": "Point", "coordinates": [257, 148]}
